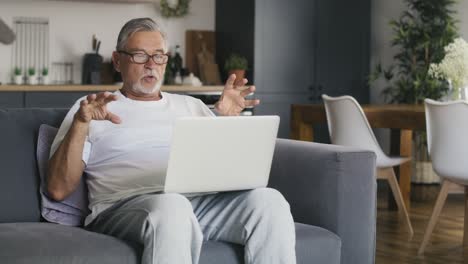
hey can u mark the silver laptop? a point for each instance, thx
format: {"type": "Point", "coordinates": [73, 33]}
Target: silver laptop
{"type": "Point", "coordinates": [211, 154]}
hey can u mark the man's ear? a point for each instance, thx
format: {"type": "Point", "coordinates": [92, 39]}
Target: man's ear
{"type": "Point", "coordinates": [116, 60]}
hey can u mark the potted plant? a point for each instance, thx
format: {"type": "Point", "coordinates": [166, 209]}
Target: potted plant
{"type": "Point", "coordinates": [420, 35]}
{"type": "Point", "coordinates": [32, 78]}
{"type": "Point", "coordinates": [45, 76]}
{"type": "Point", "coordinates": [236, 64]}
{"type": "Point", "coordinates": [18, 76]}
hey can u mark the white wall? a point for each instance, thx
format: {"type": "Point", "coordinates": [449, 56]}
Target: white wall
{"type": "Point", "coordinates": [72, 25]}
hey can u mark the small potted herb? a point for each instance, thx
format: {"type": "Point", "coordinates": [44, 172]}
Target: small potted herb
{"type": "Point", "coordinates": [236, 64]}
{"type": "Point", "coordinates": [45, 76]}
{"type": "Point", "coordinates": [32, 78]}
{"type": "Point", "coordinates": [18, 76]}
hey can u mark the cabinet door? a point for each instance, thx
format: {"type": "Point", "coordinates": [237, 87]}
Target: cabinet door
{"type": "Point", "coordinates": [11, 99]}
{"type": "Point", "coordinates": [284, 46]}
{"type": "Point", "coordinates": [342, 55]}
{"type": "Point", "coordinates": [53, 99]}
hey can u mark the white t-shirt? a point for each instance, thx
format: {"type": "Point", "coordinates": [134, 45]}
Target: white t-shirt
{"type": "Point", "coordinates": [131, 158]}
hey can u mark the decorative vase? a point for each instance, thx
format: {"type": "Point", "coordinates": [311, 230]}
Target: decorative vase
{"type": "Point", "coordinates": [458, 93]}
{"type": "Point", "coordinates": [463, 92]}
{"type": "Point", "coordinates": [32, 79]}
{"type": "Point", "coordinates": [18, 79]}
{"type": "Point", "coordinates": [45, 80]}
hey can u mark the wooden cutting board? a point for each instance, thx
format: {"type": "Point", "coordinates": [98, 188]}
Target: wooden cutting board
{"type": "Point", "coordinates": [194, 40]}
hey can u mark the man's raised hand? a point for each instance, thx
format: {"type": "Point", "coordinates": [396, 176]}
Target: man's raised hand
{"type": "Point", "coordinates": [232, 100]}
{"type": "Point", "coordinates": [94, 107]}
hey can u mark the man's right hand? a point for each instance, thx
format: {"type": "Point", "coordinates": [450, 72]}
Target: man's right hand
{"type": "Point", "coordinates": [94, 107]}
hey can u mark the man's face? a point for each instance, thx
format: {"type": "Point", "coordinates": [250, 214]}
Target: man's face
{"type": "Point", "coordinates": [144, 78]}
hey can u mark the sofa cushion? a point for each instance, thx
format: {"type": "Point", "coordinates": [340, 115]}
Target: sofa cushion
{"type": "Point", "coordinates": [72, 210]}
{"type": "Point", "coordinates": [19, 196]}
{"type": "Point", "coordinates": [51, 243]}
{"type": "Point", "coordinates": [316, 245]}
{"type": "Point", "coordinates": [313, 245]}
{"type": "Point", "coordinates": [47, 243]}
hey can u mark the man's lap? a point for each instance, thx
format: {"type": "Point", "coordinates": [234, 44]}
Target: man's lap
{"type": "Point", "coordinates": [221, 216]}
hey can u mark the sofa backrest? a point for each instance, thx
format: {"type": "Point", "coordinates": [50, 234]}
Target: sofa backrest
{"type": "Point", "coordinates": [19, 178]}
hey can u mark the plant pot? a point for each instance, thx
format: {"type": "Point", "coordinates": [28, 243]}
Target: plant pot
{"type": "Point", "coordinates": [239, 75]}
{"type": "Point", "coordinates": [18, 79]}
{"type": "Point", "coordinates": [463, 93]}
{"type": "Point", "coordinates": [32, 80]}
{"type": "Point", "coordinates": [45, 80]}
{"type": "Point", "coordinates": [423, 173]}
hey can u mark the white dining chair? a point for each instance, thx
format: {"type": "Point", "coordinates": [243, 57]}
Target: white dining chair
{"type": "Point", "coordinates": [447, 142]}
{"type": "Point", "coordinates": [348, 125]}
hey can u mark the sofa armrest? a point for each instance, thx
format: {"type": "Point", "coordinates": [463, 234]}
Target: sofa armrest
{"type": "Point", "coordinates": [333, 187]}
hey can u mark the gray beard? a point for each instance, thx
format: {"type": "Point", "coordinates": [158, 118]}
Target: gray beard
{"type": "Point", "coordinates": [137, 87]}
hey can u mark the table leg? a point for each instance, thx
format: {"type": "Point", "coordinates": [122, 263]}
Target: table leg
{"type": "Point", "coordinates": [299, 129]}
{"type": "Point", "coordinates": [406, 143]}
{"type": "Point", "coordinates": [401, 144]}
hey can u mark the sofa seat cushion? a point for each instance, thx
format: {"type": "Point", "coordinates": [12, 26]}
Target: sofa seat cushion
{"type": "Point", "coordinates": [313, 245]}
{"type": "Point", "coordinates": [42, 243]}
{"type": "Point", "coordinates": [47, 243]}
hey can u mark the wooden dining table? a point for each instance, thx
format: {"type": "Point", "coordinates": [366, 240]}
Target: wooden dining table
{"type": "Point", "coordinates": [401, 119]}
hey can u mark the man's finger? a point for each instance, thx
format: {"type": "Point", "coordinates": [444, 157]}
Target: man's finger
{"type": "Point", "coordinates": [247, 91]}
{"type": "Point", "coordinates": [101, 97]}
{"type": "Point", "coordinates": [240, 83]}
{"type": "Point", "coordinates": [84, 102]}
{"type": "Point", "coordinates": [91, 97]}
{"type": "Point", "coordinates": [113, 118]}
{"type": "Point", "coordinates": [251, 102]}
{"type": "Point", "coordinates": [230, 81]}
{"type": "Point", "coordinates": [110, 98]}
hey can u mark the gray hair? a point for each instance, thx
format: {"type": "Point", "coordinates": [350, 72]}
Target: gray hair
{"type": "Point", "coordinates": [145, 24]}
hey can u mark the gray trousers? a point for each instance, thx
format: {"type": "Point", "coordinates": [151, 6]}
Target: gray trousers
{"type": "Point", "coordinates": [172, 227]}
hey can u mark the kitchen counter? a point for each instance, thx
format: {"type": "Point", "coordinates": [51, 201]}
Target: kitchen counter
{"type": "Point", "coordinates": [64, 96]}
{"type": "Point", "coordinates": [97, 88]}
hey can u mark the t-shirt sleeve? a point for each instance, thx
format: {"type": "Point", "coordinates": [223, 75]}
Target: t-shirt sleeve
{"type": "Point", "coordinates": [64, 127]}
{"type": "Point", "coordinates": [199, 108]}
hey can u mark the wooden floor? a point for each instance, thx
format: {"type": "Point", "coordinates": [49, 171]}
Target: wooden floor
{"type": "Point", "coordinates": [445, 245]}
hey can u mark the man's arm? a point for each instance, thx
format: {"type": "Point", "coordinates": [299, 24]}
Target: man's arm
{"type": "Point", "coordinates": [66, 165]}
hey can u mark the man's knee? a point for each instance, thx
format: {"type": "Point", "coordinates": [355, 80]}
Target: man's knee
{"type": "Point", "coordinates": [167, 209]}
{"type": "Point", "coordinates": [268, 199]}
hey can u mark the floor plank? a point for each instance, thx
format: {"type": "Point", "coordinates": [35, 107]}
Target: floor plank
{"type": "Point", "coordinates": [445, 245]}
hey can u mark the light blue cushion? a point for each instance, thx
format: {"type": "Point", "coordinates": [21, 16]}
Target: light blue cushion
{"type": "Point", "coordinates": [73, 210]}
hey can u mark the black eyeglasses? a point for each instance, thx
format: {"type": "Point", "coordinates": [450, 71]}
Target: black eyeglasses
{"type": "Point", "coordinates": [142, 58]}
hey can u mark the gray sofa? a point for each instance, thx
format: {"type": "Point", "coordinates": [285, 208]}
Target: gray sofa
{"type": "Point", "coordinates": [331, 190]}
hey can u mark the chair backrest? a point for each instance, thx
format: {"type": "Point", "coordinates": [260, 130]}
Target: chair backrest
{"type": "Point", "coordinates": [447, 137]}
{"type": "Point", "coordinates": [348, 125]}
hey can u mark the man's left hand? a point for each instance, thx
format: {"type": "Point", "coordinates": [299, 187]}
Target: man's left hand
{"type": "Point", "coordinates": [232, 100]}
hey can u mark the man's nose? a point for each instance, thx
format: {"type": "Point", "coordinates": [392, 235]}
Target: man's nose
{"type": "Point", "coordinates": [150, 64]}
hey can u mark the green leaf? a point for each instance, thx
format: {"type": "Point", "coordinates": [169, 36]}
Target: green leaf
{"type": "Point", "coordinates": [420, 34]}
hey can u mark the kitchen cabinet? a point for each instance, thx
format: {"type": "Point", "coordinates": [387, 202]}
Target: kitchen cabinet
{"type": "Point", "coordinates": [298, 50]}
{"type": "Point", "coordinates": [11, 100]}
{"type": "Point", "coordinates": [64, 96]}
{"type": "Point", "coordinates": [52, 99]}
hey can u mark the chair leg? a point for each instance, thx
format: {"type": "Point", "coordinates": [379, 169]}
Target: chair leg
{"type": "Point", "coordinates": [392, 181]}
{"type": "Point", "coordinates": [435, 214]}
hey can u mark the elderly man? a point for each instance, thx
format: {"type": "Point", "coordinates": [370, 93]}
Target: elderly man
{"type": "Point", "coordinates": [121, 140]}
